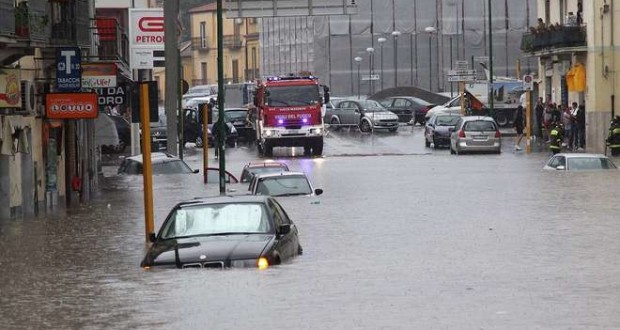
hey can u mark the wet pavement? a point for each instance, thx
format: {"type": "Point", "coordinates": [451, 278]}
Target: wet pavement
{"type": "Point", "coordinates": [404, 237]}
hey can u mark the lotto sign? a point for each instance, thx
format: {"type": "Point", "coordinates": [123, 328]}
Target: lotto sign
{"type": "Point", "coordinates": [528, 82]}
{"type": "Point", "coordinates": [68, 69]}
{"type": "Point", "coordinates": [71, 105]}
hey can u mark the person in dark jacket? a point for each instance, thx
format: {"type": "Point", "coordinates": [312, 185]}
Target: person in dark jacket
{"type": "Point", "coordinates": [581, 124]}
{"type": "Point", "coordinates": [519, 126]}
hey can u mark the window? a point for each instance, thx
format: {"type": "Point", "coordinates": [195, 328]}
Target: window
{"type": "Point", "coordinates": [203, 34]}
{"type": "Point", "coordinates": [203, 71]}
{"type": "Point", "coordinates": [235, 70]}
{"type": "Point", "coordinates": [400, 103]}
{"type": "Point", "coordinates": [480, 126]}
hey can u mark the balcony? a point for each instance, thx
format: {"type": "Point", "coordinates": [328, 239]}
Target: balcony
{"type": "Point", "coordinates": [32, 21]}
{"type": "Point", "coordinates": [111, 40]}
{"type": "Point", "coordinates": [7, 24]}
{"type": "Point", "coordinates": [71, 23]}
{"type": "Point", "coordinates": [232, 41]}
{"type": "Point", "coordinates": [200, 44]}
{"type": "Point", "coordinates": [551, 40]}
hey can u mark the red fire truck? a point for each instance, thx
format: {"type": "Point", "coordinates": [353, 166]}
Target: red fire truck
{"type": "Point", "coordinates": [288, 113]}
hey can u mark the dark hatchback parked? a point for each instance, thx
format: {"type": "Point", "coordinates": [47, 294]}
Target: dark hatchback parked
{"type": "Point", "coordinates": [222, 232]}
{"type": "Point", "coordinates": [407, 108]}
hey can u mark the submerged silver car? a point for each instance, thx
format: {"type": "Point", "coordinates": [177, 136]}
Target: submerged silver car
{"type": "Point", "coordinates": [579, 162]}
{"type": "Point", "coordinates": [475, 134]}
{"type": "Point", "coordinates": [368, 115]}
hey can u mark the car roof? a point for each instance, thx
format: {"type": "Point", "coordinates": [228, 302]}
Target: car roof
{"type": "Point", "coordinates": [581, 155]}
{"type": "Point", "coordinates": [281, 174]}
{"type": "Point", "coordinates": [225, 199]}
{"type": "Point", "coordinates": [265, 164]}
{"type": "Point", "coordinates": [474, 118]}
{"type": "Point", "coordinates": [156, 157]}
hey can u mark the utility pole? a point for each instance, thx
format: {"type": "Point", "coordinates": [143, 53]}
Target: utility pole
{"type": "Point", "coordinates": [171, 13]}
{"type": "Point", "coordinates": [220, 96]}
{"type": "Point", "coordinates": [491, 101]}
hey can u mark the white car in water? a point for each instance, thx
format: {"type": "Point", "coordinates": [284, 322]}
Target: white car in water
{"type": "Point", "coordinates": [579, 162]}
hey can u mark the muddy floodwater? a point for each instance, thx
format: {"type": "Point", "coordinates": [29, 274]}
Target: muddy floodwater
{"type": "Point", "coordinates": [404, 237]}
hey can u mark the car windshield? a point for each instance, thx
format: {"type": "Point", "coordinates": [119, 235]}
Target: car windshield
{"type": "Point", "coordinates": [479, 126]}
{"type": "Point", "coordinates": [171, 167]}
{"type": "Point", "coordinates": [447, 120]}
{"type": "Point", "coordinates": [590, 163]}
{"type": "Point", "coordinates": [284, 96]}
{"type": "Point", "coordinates": [233, 115]}
{"type": "Point", "coordinates": [217, 219]}
{"type": "Point", "coordinates": [284, 186]}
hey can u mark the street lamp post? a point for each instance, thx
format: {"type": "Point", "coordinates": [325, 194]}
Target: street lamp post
{"type": "Point", "coordinates": [370, 51]}
{"type": "Point", "coordinates": [381, 41]}
{"type": "Point", "coordinates": [359, 61]}
{"type": "Point", "coordinates": [395, 34]}
{"type": "Point", "coordinates": [430, 30]}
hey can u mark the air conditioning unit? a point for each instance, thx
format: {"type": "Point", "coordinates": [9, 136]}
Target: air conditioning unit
{"type": "Point", "coordinates": [29, 103]}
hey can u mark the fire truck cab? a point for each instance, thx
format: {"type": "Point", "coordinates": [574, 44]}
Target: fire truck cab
{"type": "Point", "coordinates": [289, 114]}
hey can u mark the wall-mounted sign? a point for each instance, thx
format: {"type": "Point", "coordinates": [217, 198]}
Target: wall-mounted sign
{"type": "Point", "coordinates": [10, 94]}
{"type": "Point", "coordinates": [71, 105]}
{"type": "Point", "coordinates": [146, 34]}
{"type": "Point", "coordinates": [112, 96]}
{"type": "Point", "coordinates": [68, 69]}
{"type": "Point", "coordinates": [98, 75]}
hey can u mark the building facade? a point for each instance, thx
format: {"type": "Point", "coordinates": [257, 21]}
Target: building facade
{"type": "Point", "coordinates": [399, 43]}
{"type": "Point", "coordinates": [47, 160]}
{"type": "Point", "coordinates": [241, 47]}
{"type": "Point", "coordinates": [562, 47]}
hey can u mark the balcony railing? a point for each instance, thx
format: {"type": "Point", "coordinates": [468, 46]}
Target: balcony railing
{"type": "Point", "coordinates": [200, 44]}
{"type": "Point", "coordinates": [232, 41]}
{"type": "Point", "coordinates": [110, 39]}
{"type": "Point", "coordinates": [71, 23]}
{"type": "Point", "coordinates": [565, 36]}
{"type": "Point", "coordinates": [32, 21]}
{"type": "Point", "coordinates": [7, 23]}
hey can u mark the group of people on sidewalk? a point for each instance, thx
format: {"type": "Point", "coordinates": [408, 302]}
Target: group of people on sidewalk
{"type": "Point", "coordinates": [571, 120]}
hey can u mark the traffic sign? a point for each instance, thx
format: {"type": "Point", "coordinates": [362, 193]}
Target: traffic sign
{"type": "Point", "coordinates": [528, 82]}
{"type": "Point", "coordinates": [370, 77]}
{"type": "Point", "coordinates": [461, 72]}
{"type": "Point", "coordinates": [481, 58]}
{"type": "Point", "coordinates": [461, 78]}
{"type": "Point", "coordinates": [462, 65]}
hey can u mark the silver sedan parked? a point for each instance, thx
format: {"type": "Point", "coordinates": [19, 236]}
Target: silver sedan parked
{"type": "Point", "coordinates": [475, 134]}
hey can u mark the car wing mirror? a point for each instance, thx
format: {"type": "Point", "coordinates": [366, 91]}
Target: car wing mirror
{"type": "Point", "coordinates": [318, 191]}
{"type": "Point", "coordinates": [561, 168]}
{"type": "Point", "coordinates": [152, 237]}
{"type": "Point", "coordinates": [196, 171]}
{"type": "Point", "coordinates": [284, 229]}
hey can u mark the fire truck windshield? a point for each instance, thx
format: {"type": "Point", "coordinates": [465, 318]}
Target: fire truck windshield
{"type": "Point", "coordinates": [285, 96]}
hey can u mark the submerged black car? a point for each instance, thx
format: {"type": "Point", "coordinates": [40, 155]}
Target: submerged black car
{"type": "Point", "coordinates": [222, 232]}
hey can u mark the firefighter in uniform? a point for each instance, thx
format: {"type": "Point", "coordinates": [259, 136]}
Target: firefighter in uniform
{"type": "Point", "coordinates": [556, 136]}
{"type": "Point", "coordinates": [613, 139]}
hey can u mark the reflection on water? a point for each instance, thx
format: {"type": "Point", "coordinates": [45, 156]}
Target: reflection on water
{"type": "Point", "coordinates": [396, 242]}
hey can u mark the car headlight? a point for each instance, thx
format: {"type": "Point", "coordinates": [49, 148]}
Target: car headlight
{"type": "Point", "coordinates": [208, 131]}
{"type": "Point", "coordinates": [268, 132]}
{"type": "Point", "coordinates": [260, 263]}
{"type": "Point", "coordinates": [317, 131]}
{"type": "Point", "coordinates": [233, 130]}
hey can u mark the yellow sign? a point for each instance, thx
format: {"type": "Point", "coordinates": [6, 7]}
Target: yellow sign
{"type": "Point", "coordinates": [10, 91]}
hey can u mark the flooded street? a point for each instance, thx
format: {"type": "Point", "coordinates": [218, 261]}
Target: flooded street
{"type": "Point", "coordinates": [404, 237]}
